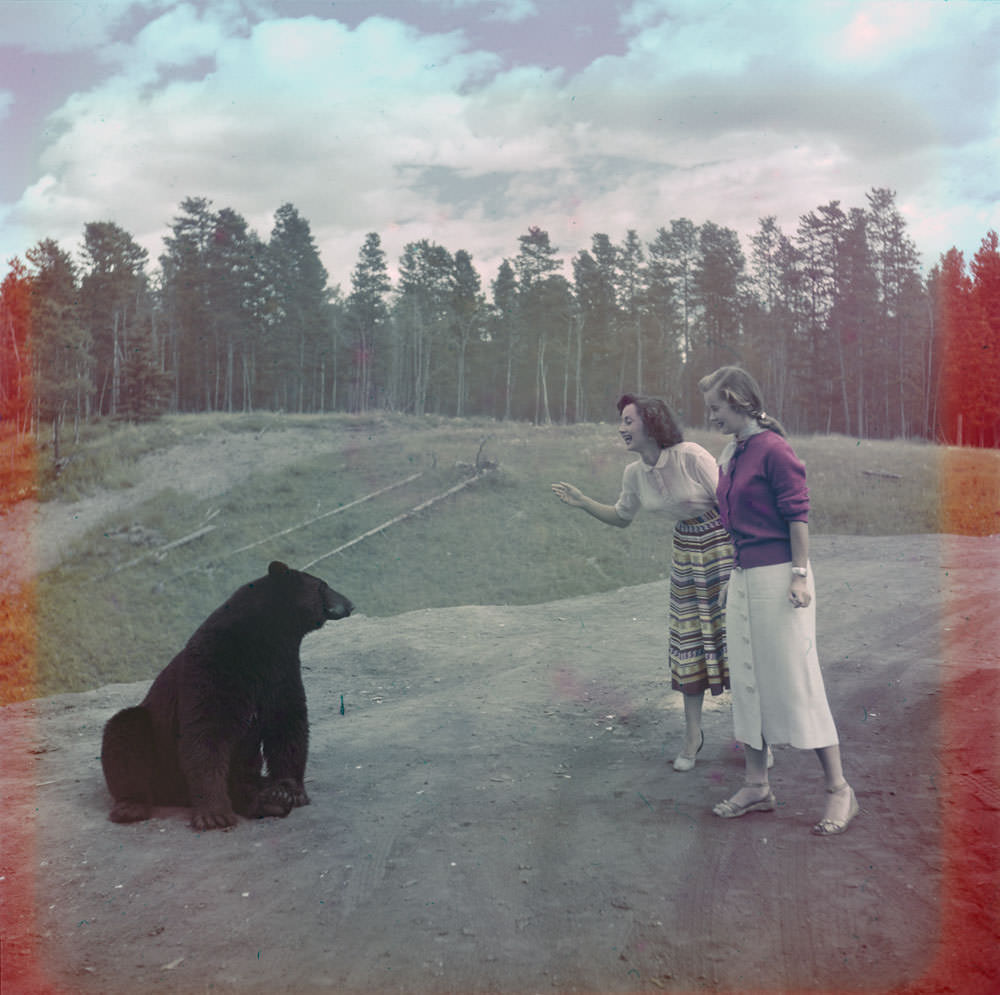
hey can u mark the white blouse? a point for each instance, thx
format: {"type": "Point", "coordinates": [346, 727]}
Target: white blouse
{"type": "Point", "coordinates": [681, 485]}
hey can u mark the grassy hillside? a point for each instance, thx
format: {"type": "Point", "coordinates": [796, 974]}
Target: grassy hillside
{"type": "Point", "coordinates": [116, 611]}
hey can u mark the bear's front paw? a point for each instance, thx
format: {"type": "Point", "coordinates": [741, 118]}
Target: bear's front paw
{"type": "Point", "coordinates": [277, 799]}
{"type": "Point", "coordinates": [204, 819]}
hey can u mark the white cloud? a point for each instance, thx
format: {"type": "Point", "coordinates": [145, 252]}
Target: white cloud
{"type": "Point", "coordinates": [725, 112]}
{"type": "Point", "coordinates": [178, 37]}
{"type": "Point", "coordinates": [300, 110]}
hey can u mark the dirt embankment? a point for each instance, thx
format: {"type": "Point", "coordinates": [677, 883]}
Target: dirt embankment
{"type": "Point", "coordinates": [34, 537]}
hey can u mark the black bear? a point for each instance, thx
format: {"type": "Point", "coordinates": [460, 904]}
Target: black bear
{"type": "Point", "coordinates": [229, 702]}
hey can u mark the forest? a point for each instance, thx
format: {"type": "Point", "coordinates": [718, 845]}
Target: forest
{"type": "Point", "coordinates": [836, 321]}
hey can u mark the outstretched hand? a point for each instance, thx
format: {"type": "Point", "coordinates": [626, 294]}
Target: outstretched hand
{"type": "Point", "coordinates": [568, 494]}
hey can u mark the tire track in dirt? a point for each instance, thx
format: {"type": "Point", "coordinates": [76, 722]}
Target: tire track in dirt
{"type": "Point", "coordinates": [364, 880]}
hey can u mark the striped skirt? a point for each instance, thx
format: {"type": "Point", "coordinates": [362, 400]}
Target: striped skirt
{"type": "Point", "coordinates": [702, 561]}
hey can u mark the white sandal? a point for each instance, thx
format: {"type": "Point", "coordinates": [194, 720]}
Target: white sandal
{"type": "Point", "coordinates": [729, 809]}
{"type": "Point", "coordinates": [834, 827]}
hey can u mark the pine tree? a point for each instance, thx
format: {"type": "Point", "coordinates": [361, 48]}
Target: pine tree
{"type": "Point", "coordinates": [719, 284]}
{"type": "Point", "coordinates": [423, 311]}
{"type": "Point", "coordinates": [852, 322]}
{"type": "Point", "coordinates": [114, 293]}
{"type": "Point", "coordinates": [186, 301]}
{"type": "Point", "coordinates": [303, 326]}
{"type": "Point", "coordinates": [61, 345]}
{"type": "Point", "coordinates": [146, 387]}
{"type": "Point", "coordinates": [467, 312]}
{"type": "Point", "coordinates": [601, 369]}
{"type": "Point", "coordinates": [235, 280]}
{"type": "Point", "coordinates": [985, 388]}
{"type": "Point", "coordinates": [959, 351]}
{"type": "Point", "coordinates": [629, 291]}
{"type": "Point", "coordinates": [813, 397]}
{"type": "Point", "coordinates": [507, 326]}
{"type": "Point", "coordinates": [681, 256]}
{"type": "Point", "coordinates": [15, 353]}
{"type": "Point", "coordinates": [541, 301]}
{"type": "Point", "coordinates": [661, 314]}
{"type": "Point", "coordinates": [367, 317]}
{"type": "Point", "coordinates": [775, 312]}
{"type": "Point", "coordinates": [898, 336]}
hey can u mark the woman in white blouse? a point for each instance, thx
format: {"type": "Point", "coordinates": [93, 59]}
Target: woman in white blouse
{"type": "Point", "coordinates": [678, 480]}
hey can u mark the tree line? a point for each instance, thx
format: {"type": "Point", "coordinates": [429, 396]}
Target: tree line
{"type": "Point", "coordinates": [836, 321]}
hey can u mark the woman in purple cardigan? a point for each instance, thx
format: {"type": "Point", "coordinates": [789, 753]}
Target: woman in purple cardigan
{"type": "Point", "coordinates": [776, 684]}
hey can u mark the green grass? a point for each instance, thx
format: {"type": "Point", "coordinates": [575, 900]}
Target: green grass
{"type": "Point", "coordinates": [503, 540]}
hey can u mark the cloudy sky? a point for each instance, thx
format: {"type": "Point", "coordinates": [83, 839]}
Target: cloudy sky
{"type": "Point", "coordinates": [467, 121]}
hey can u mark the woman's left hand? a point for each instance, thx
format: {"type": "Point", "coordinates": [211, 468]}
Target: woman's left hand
{"type": "Point", "coordinates": [798, 593]}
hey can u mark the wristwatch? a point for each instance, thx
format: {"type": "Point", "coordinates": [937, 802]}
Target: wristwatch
{"type": "Point", "coordinates": [800, 571]}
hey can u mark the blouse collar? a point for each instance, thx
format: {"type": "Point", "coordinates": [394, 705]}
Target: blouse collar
{"type": "Point", "coordinates": [660, 462]}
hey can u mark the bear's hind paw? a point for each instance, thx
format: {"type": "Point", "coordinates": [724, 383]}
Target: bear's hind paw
{"type": "Point", "coordinates": [204, 820]}
{"type": "Point", "coordinates": [129, 811]}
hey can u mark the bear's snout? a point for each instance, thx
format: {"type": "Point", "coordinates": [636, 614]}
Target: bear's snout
{"type": "Point", "coordinates": [338, 607]}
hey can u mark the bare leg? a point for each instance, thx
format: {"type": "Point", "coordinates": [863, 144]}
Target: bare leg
{"type": "Point", "coordinates": [693, 736]}
{"type": "Point", "coordinates": [692, 723]}
{"type": "Point", "coordinates": [833, 770]}
{"type": "Point", "coordinates": [755, 792]}
{"type": "Point", "coordinates": [755, 786]}
{"type": "Point", "coordinates": [840, 800]}
{"type": "Point", "coordinates": [756, 763]}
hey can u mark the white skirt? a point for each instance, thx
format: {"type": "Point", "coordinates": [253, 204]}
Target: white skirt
{"type": "Point", "coordinates": [776, 684]}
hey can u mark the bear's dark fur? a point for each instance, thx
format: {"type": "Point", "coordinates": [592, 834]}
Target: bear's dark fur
{"type": "Point", "coordinates": [230, 701]}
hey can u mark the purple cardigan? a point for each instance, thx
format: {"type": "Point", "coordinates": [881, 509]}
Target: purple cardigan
{"type": "Point", "coordinates": [759, 493]}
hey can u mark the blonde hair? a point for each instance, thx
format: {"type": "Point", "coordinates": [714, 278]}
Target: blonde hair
{"type": "Point", "coordinates": [742, 392]}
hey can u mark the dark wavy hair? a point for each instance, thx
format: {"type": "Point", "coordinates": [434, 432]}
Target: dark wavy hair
{"type": "Point", "coordinates": [657, 418]}
{"type": "Point", "coordinates": [737, 388]}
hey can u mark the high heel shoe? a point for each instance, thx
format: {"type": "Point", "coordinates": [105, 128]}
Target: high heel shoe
{"type": "Point", "coordinates": [683, 762]}
{"type": "Point", "coordinates": [833, 827]}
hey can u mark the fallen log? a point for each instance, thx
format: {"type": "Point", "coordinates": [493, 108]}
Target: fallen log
{"type": "Point", "coordinates": [882, 473]}
{"type": "Point", "coordinates": [395, 521]}
{"type": "Point", "coordinates": [292, 528]}
{"type": "Point", "coordinates": [160, 550]}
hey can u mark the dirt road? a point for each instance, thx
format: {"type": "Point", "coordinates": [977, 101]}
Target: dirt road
{"type": "Point", "coordinates": [495, 812]}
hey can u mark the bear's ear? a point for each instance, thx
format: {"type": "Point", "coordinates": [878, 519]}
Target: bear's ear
{"type": "Point", "coordinates": [277, 568]}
